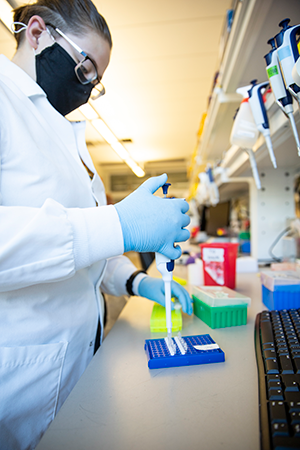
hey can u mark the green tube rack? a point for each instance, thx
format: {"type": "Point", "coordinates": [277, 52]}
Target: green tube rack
{"type": "Point", "coordinates": [220, 316]}
{"type": "Point", "coordinates": [220, 307]}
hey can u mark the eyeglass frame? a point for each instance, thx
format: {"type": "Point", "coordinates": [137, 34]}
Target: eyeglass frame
{"type": "Point", "coordinates": [86, 57]}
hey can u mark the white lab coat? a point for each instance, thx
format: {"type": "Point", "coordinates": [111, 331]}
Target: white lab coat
{"type": "Point", "coordinates": [56, 248]}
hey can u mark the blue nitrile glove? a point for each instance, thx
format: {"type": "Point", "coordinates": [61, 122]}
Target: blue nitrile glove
{"type": "Point", "coordinates": [153, 224]}
{"type": "Point", "coordinates": [154, 289]}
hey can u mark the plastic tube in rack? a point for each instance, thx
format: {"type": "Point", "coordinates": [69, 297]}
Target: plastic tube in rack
{"type": "Point", "coordinates": [171, 346]}
{"type": "Point", "coordinates": [180, 346]}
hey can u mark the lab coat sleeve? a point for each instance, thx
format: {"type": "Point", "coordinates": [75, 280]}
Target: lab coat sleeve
{"type": "Point", "coordinates": [48, 244]}
{"type": "Point", "coordinates": [118, 270]}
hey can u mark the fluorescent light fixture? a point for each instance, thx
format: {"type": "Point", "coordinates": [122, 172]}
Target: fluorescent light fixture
{"type": "Point", "coordinates": [88, 112]}
{"type": "Point", "coordinates": [104, 131]}
{"type": "Point", "coordinates": [136, 169]}
{"type": "Point", "coordinates": [91, 114]}
{"type": "Point", "coordinates": [6, 14]}
{"type": "Point", "coordinates": [120, 150]}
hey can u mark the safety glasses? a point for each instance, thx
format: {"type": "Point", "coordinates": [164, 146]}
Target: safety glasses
{"type": "Point", "coordinates": [85, 70]}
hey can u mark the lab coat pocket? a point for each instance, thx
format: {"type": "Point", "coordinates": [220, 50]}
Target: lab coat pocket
{"type": "Point", "coordinates": [29, 387]}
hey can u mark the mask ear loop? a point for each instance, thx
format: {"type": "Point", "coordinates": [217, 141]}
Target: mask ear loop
{"type": "Point", "coordinates": [50, 34]}
{"type": "Point", "coordinates": [23, 27]}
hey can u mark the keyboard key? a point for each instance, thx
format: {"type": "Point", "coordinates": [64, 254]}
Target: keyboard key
{"type": "Point", "coordinates": [296, 362]}
{"type": "Point", "coordinates": [266, 332]}
{"type": "Point", "coordinates": [293, 340]}
{"type": "Point", "coordinates": [277, 412]}
{"type": "Point", "coordinates": [268, 346]}
{"type": "Point", "coordinates": [295, 417]}
{"type": "Point", "coordinates": [281, 343]}
{"type": "Point", "coordinates": [290, 383]}
{"type": "Point", "coordinates": [286, 443]}
{"type": "Point", "coordinates": [274, 385]}
{"type": "Point", "coordinates": [273, 378]}
{"type": "Point", "coordinates": [286, 364]}
{"type": "Point", "coordinates": [270, 354]}
{"type": "Point", "coordinates": [293, 406]}
{"type": "Point", "coordinates": [292, 396]}
{"type": "Point", "coordinates": [296, 429]}
{"type": "Point", "coordinates": [271, 366]}
{"type": "Point", "coordinates": [283, 351]}
{"type": "Point", "coordinates": [280, 429]}
{"type": "Point", "coordinates": [276, 394]}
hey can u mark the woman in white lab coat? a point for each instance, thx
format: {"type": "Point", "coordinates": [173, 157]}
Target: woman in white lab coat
{"type": "Point", "coordinates": [59, 241]}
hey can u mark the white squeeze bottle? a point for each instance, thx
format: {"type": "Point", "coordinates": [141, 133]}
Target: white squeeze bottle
{"type": "Point", "coordinates": [244, 132]}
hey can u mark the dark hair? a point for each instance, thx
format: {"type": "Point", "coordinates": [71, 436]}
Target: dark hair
{"type": "Point", "coordinates": [74, 16]}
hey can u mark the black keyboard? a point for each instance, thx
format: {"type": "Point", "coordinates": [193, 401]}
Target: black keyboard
{"type": "Point", "coordinates": [277, 345]}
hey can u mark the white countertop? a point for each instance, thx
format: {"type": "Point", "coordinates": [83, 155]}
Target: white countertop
{"type": "Point", "coordinates": [121, 404]}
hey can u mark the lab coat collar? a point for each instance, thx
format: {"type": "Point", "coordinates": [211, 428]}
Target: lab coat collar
{"type": "Point", "coordinates": [18, 76]}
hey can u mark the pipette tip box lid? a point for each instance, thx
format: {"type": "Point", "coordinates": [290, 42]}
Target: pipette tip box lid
{"type": "Point", "coordinates": [219, 306]}
{"type": "Point", "coordinates": [158, 319]}
{"type": "Point", "coordinates": [280, 290]}
{"type": "Point", "coordinates": [159, 356]}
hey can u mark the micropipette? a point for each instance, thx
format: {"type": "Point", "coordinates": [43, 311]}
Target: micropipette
{"type": "Point", "coordinates": [260, 115]}
{"type": "Point", "coordinates": [282, 96]}
{"type": "Point", "coordinates": [166, 266]}
{"type": "Point", "coordinates": [288, 54]}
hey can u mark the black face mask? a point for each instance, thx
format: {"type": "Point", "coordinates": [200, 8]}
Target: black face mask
{"type": "Point", "coordinates": [56, 76]}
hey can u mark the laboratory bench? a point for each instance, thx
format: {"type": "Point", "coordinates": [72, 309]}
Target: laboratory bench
{"type": "Point", "coordinates": [119, 403]}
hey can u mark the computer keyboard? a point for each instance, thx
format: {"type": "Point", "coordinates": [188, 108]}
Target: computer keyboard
{"type": "Point", "coordinates": [277, 345]}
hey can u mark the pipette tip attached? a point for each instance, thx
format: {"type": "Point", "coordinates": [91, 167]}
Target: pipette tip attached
{"type": "Point", "coordinates": [271, 152]}
{"type": "Point", "coordinates": [295, 132]}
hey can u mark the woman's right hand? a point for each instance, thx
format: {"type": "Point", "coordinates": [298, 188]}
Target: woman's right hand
{"type": "Point", "coordinates": [153, 224]}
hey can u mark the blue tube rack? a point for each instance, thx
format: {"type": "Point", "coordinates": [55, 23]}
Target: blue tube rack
{"type": "Point", "coordinates": [159, 356]}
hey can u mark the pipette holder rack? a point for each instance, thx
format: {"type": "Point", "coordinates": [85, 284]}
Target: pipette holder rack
{"type": "Point", "coordinates": [159, 356]}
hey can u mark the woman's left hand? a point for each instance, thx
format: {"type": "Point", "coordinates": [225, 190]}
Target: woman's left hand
{"type": "Point", "coordinates": [154, 289]}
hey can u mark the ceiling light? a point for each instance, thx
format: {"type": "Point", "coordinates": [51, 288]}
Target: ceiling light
{"type": "Point", "coordinates": [135, 167]}
{"type": "Point", "coordinates": [88, 112]}
{"type": "Point", "coordinates": [6, 14]}
{"type": "Point", "coordinates": [104, 131]}
{"type": "Point", "coordinates": [120, 150]}
{"type": "Point", "coordinates": [91, 114]}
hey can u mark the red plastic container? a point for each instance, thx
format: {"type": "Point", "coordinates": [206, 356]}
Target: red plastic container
{"type": "Point", "coordinates": [219, 263]}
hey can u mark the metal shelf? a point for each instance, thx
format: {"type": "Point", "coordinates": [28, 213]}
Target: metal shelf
{"type": "Point", "coordinates": [254, 23]}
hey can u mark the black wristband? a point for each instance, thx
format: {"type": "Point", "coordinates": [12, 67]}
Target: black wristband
{"type": "Point", "coordinates": [129, 282]}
